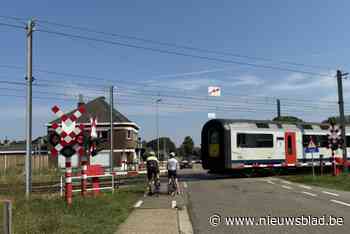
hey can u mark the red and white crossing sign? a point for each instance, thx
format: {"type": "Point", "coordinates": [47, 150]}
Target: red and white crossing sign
{"type": "Point", "coordinates": [68, 132]}
{"type": "Point", "coordinates": [334, 137]}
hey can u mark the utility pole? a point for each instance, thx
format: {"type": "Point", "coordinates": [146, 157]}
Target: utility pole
{"type": "Point", "coordinates": [157, 123]}
{"type": "Point", "coordinates": [29, 78]}
{"type": "Point", "coordinates": [111, 129]}
{"type": "Point", "coordinates": [340, 77]}
{"type": "Point", "coordinates": [278, 108]}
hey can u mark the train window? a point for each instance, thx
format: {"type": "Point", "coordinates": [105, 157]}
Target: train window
{"type": "Point", "coordinates": [306, 126]}
{"type": "Point", "coordinates": [319, 140]}
{"type": "Point", "coordinates": [289, 144]}
{"type": "Point", "coordinates": [250, 140]}
{"type": "Point", "coordinates": [324, 127]}
{"type": "Point", "coordinates": [262, 125]}
{"type": "Point", "coordinates": [213, 137]}
{"type": "Point", "coordinates": [347, 141]}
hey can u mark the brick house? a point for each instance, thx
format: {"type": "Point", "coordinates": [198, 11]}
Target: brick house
{"type": "Point", "coordinates": [125, 134]}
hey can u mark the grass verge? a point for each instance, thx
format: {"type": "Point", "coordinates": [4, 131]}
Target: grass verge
{"type": "Point", "coordinates": [100, 214]}
{"type": "Point", "coordinates": [341, 182]}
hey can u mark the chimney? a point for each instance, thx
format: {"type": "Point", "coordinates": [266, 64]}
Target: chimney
{"type": "Point", "coordinates": [81, 100]}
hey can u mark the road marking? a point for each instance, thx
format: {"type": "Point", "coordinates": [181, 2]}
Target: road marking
{"type": "Point", "coordinates": [340, 202]}
{"type": "Point", "coordinates": [270, 182]}
{"type": "Point", "coordinates": [185, 185]}
{"type": "Point", "coordinates": [138, 204]}
{"type": "Point", "coordinates": [286, 187]}
{"type": "Point", "coordinates": [304, 186]}
{"type": "Point", "coordinates": [285, 182]}
{"type": "Point", "coordinates": [329, 193]}
{"type": "Point", "coordinates": [173, 204]}
{"type": "Point", "coordinates": [310, 194]}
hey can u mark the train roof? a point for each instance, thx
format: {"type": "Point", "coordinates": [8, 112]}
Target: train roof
{"type": "Point", "coordinates": [279, 124]}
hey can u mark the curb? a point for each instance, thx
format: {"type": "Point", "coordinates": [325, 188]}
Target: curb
{"type": "Point", "coordinates": [184, 222]}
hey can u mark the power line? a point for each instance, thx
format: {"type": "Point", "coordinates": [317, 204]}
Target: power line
{"type": "Point", "coordinates": [12, 25]}
{"type": "Point", "coordinates": [120, 84]}
{"type": "Point", "coordinates": [68, 35]}
{"type": "Point", "coordinates": [178, 46]}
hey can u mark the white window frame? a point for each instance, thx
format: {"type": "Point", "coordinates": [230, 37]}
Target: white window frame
{"type": "Point", "coordinates": [128, 134]}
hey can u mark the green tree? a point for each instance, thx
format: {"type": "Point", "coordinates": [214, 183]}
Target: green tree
{"type": "Point", "coordinates": [188, 146]}
{"type": "Point", "coordinates": [164, 142]}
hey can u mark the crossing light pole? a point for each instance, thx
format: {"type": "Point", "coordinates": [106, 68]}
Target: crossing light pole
{"type": "Point", "coordinates": [111, 143]}
{"type": "Point", "coordinates": [29, 78]}
{"type": "Point", "coordinates": [278, 108]}
{"type": "Point", "coordinates": [340, 77]}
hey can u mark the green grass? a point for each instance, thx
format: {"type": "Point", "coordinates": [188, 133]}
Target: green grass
{"type": "Point", "coordinates": [102, 214]}
{"type": "Point", "coordinates": [341, 182]}
{"type": "Point", "coordinates": [17, 176]}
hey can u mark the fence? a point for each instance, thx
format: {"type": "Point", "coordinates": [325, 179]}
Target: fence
{"type": "Point", "coordinates": [17, 161]}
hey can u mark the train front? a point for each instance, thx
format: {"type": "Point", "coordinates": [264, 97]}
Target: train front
{"type": "Point", "coordinates": [215, 145]}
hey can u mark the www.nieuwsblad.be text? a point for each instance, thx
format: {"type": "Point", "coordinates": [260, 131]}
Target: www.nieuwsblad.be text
{"type": "Point", "coordinates": [303, 220]}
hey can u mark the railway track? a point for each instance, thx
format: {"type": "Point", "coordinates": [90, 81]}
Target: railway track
{"type": "Point", "coordinates": [55, 186]}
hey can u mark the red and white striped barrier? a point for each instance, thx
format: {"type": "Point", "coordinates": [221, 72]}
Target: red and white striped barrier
{"type": "Point", "coordinates": [68, 176]}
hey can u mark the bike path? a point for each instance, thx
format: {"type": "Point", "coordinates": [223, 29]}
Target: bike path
{"type": "Point", "coordinates": [157, 214]}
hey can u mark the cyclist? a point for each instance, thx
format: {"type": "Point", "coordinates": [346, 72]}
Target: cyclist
{"type": "Point", "coordinates": [152, 169]}
{"type": "Point", "coordinates": [172, 166]}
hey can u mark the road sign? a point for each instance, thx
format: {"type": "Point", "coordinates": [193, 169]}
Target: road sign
{"type": "Point", "coordinates": [214, 91]}
{"type": "Point", "coordinates": [311, 148]}
{"type": "Point", "coordinates": [68, 132]}
{"type": "Point", "coordinates": [334, 138]}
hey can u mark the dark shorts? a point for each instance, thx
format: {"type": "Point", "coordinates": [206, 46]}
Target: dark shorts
{"type": "Point", "coordinates": [172, 173]}
{"type": "Point", "coordinates": [150, 173]}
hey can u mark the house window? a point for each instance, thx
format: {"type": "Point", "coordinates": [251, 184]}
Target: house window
{"type": "Point", "coordinates": [128, 134]}
{"type": "Point", "coordinates": [104, 134]}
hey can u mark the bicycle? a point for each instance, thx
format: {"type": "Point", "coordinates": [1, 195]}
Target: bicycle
{"type": "Point", "coordinates": [172, 186]}
{"type": "Point", "coordinates": [154, 185]}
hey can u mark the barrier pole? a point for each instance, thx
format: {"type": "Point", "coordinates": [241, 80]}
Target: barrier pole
{"type": "Point", "coordinates": [83, 175]}
{"type": "Point", "coordinates": [61, 186]}
{"type": "Point", "coordinates": [7, 217]}
{"type": "Point", "coordinates": [334, 173]}
{"type": "Point", "coordinates": [112, 182]}
{"type": "Point", "coordinates": [69, 187]}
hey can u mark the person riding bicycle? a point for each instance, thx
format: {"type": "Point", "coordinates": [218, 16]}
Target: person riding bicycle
{"type": "Point", "coordinates": [152, 164]}
{"type": "Point", "coordinates": [172, 166]}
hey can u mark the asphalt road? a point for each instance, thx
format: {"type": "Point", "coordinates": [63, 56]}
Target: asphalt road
{"type": "Point", "coordinates": [270, 198]}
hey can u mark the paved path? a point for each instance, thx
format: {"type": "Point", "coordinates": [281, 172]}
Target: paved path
{"type": "Point", "coordinates": [164, 215]}
{"type": "Point", "coordinates": [263, 197]}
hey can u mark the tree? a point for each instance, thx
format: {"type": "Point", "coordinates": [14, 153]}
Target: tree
{"type": "Point", "coordinates": [188, 146]}
{"type": "Point", "coordinates": [164, 142]}
{"type": "Point", "coordinates": [336, 119]}
{"type": "Point", "coordinates": [288, 119]}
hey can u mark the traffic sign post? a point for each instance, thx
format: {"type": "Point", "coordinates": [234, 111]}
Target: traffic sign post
{"type": "Point", "coordinates": [312, 148]}
{"type": "Point", "coordinates": [66, 144]}
{"type": "Point", "coordinates": [334, 142]}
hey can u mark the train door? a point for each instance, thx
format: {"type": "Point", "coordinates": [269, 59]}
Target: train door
{"type": "Point", "coordinates": [290, 147]}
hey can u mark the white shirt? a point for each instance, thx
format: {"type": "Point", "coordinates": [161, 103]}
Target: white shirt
{"type": "Point", "coordinates": [172, 164]}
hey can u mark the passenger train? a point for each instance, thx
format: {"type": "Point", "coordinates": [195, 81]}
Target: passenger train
{"type": "Point", "coordinates": [238, 144]}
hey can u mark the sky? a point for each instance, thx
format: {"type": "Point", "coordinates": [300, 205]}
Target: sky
{"type": "Point", "coordinates": [304, 32]}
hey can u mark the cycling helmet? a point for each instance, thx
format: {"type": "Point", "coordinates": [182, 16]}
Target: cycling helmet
{"type": "Point", "coordinates": [172, 154]}
{"type": "Point", "coordinates": [151, 153]}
